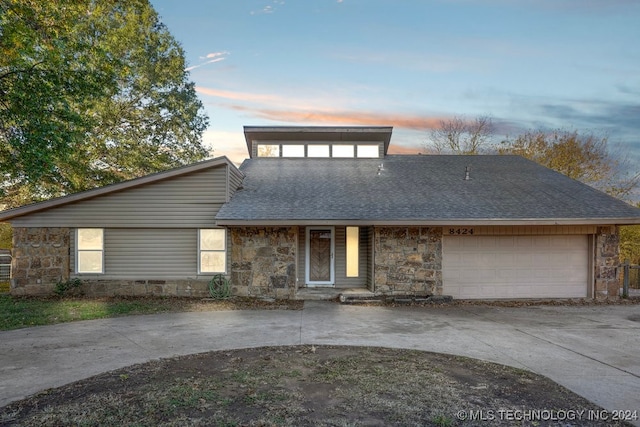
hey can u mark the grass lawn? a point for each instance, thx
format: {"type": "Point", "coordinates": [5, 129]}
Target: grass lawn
{"type": "Point", "coordinates": [21, 312]}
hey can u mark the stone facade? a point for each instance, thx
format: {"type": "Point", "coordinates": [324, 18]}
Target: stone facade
{"type": "Point", "coordinates": [40, 259]}
{"type": "Point", "coordinates": [607, 247]}
{"type": "Point", "coordinates": [408, 260]}
{"type": "Point", "coordinates": [263, 261]}
{"type": "Point", "coordinates": [178, 288]}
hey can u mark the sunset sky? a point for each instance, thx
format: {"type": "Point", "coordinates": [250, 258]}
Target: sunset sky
{"type": "Point", "coordinates": [528, 64]}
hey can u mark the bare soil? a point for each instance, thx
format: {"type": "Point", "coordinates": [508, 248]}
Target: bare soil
{"type": "Point", "coordinates": [309, 386]}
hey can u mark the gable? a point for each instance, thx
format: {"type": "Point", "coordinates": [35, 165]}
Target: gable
{"type": "Point", "coordinates": [185, 197]}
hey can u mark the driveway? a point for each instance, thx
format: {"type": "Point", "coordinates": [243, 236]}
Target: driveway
{"type": "Point", "coordinates": [592, 350]}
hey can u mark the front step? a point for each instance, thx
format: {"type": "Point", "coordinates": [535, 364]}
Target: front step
{"type": "Point", "coordinates": [360, 296]}
{"type": "Point", "coordinates": [328, 294]}
{"type": "Point", "coordinates": [371, 298]}
{"type": "Point", "coordinates": [318, 294]}
{"type": "Point", "coordinates": [365, 296]}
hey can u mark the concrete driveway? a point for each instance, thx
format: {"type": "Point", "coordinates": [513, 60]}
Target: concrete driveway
{"type": "Point", "coordinates": [593, 350]}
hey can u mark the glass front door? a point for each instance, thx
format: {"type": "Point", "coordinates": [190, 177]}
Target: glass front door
{"type": "Point", "coordinates": [319, 260]}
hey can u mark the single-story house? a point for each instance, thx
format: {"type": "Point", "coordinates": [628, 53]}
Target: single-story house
{"type": "Point", "coordinates": [327, 207]}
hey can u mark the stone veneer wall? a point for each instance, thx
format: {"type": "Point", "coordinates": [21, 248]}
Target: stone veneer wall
{"type": "Point", "coordinates": [408, 260]}
{"type": "Point", "coordinates": [40, 259]}
{"type": "Point", "coordinates": [170, 287]}
{"type": "Point", "coordinates": [607, 247]}
{"type": "Point", "coordinates": [263, 261]}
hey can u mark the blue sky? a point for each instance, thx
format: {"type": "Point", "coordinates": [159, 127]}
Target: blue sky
{"type": "Point", "coordinates": [528, 64]}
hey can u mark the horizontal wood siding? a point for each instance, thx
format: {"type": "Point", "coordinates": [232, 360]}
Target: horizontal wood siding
{"type": "Point", "coordinates": [235, 181]}
{"type": "Point", "coordinates": [147, 254]}
{"type": "Point", "coordinates": [302, 253]}
{"type": "Point", "coordinates": [518, 230]}
{"type": "Point", "coordinates": [186, 201]}
{"type": "Point", "coordinates": [370, 258]}
{"type": "Point", "coordinates": [342, 281]}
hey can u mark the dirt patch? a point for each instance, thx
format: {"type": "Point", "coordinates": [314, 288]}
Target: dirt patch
{"type": "Point", "coordinates": [309, 386]}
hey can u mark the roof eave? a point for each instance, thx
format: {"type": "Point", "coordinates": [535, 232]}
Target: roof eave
{"type": "Point", "coordinates": [250, 132]}
{"type": "Point", "coordinates": [431, 222]}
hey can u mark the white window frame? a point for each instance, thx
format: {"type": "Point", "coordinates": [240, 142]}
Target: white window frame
{"type": "Point", "coordinates": [80, 251]}
{"type": "Point", "coordinates": [273, 150]}
{"type": "Point", "coordinates": [293, 150]}
{"type": "Point", "coordinates": [337, 148]}
{"type": "Point", "coordinates": [367, 151]}
{"type": "Point", "coordinates": [319, 151]}
{"type": "Point", "coordinates": [201, 251]}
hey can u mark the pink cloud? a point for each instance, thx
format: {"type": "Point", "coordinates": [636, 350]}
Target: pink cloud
{"type": "Point", "coordinates": [400, 149]}
{"type": "Point", "coordinates": [238, 96]}
{"type": "Point", "coordinates": [351, 118]}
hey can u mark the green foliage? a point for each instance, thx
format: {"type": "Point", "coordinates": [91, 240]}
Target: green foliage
{"type": "Point", "coordinates": [583, 157]}
{"type": "Point", "coordinates": [442, 421]}
{"type": "Point", "coordinates": [91, 93]}
{"type": "Point", "coordinates": [68, 286]}
{"type": "Point", "coordinates": [630, 243]}
{"type": "Point", "coordinates": [219, 287]}
{"type": "Point", "coordinates": [20, 312]}
{"type": "Point", "coordinates": [6, 233]}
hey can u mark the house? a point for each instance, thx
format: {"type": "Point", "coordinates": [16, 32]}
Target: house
{"type": "Point", "coordinates": [327, 207]}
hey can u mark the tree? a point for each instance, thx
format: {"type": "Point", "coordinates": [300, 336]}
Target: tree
{"type": "Point", "coordinates": [584, 157]}
{"type": "Point", "coordinates": [630, 243]}
{"type": "Point", "coordinates": [91, 92]}
{"type": "Point", "coordinates": [461, 136]}
{"type": "Point", "coordinates": [5, 235]}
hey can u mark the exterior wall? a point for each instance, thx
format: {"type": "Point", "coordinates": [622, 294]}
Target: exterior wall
{"type": "Point", "coordinates": [408, 260]}
{"type": "Point", "coordinates": [150, 237]}
{"type": "Point", "coordinates": [140, 262]}
{"type": "Point", "coordinates": [521, 230]}
{"type": "Point", "coordinates": [113, 287]}
{"type": "Point", "coordinates": [40, 259]}
{"type": "Point", "coordinates": [234, 181]}
{"type": "Point", "coordinates": [191, 200]}
{"type": "Point", "coordinates": [146, 254]}
{"type": "Point", "coordinates": [606, 261]}
{"type": "Point", "coordinates": [263, 261]}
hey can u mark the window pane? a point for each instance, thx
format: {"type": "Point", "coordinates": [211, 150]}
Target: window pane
{"type": "Point", "coordinates": [90, 238]}
{"type": "Point", "coordinates": [368, 151]}
{"type": "Point", "coordinates": [89, 261]}
{"type": "Point", "coordinates": [317, 151]}
{"type": "Point", "coordinates": [268, 150]}
{"type": "Point", "coordinates": [212, 239]}
{"type": "Point", "coordinates": [293, 151]}
{"type": "Point", "coordinates": [212, 262]}
{"type": "Point", "coordinates": [353, 242]}
{"type": "Point", "coordinates": [342, 151]}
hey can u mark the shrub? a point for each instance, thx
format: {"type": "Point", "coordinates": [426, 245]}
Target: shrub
{"type": "Point", "coordinates": [71, 285]}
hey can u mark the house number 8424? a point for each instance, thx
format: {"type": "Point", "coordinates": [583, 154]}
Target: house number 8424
{"type": "Point", "coordinates": [461, 231]}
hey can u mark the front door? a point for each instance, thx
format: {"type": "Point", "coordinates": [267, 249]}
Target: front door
{"type": "Point", "coordinates": [319, 260]}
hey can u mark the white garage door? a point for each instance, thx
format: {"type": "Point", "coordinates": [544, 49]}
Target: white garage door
{"type": "Point", "coordinates": [491, 267]}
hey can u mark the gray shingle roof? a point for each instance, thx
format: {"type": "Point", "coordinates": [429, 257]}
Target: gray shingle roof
{"type": "Point", "coordinates": [417, 188]}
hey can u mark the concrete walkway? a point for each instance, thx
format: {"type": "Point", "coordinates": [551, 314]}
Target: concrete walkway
{"type": "Point", "coordinates": [594, 350]}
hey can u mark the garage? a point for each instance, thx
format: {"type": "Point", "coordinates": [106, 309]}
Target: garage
{"type": "Point", "coordinates": [493, 267]}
